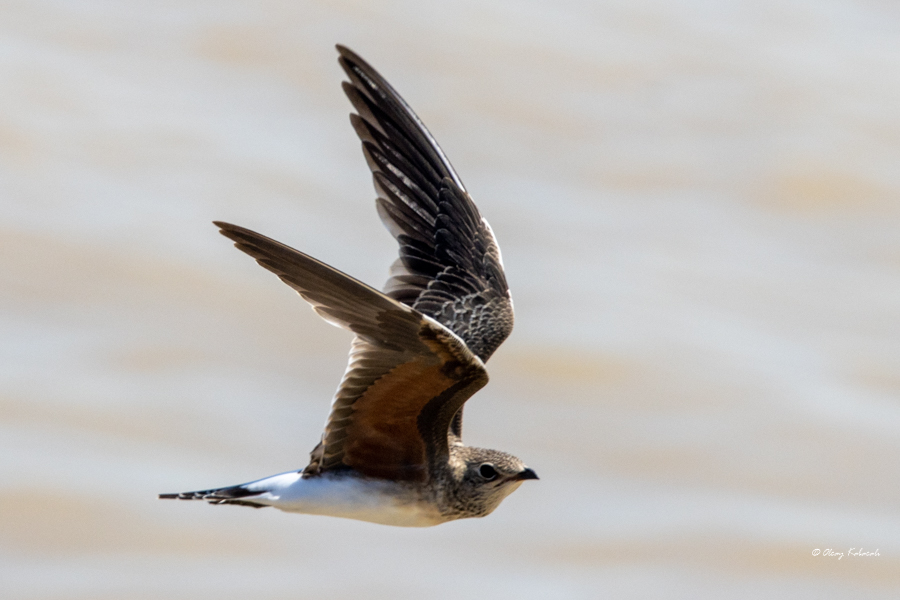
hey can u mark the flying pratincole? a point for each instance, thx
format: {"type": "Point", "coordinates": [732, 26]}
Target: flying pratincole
{"type": "Point", "coordinates": [392, 450]}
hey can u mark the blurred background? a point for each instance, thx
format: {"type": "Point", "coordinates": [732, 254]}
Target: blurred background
{"type": "Point", "coordinates": [698, 208]}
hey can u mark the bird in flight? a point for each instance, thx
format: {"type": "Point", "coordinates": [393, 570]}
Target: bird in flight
{"type": "Point", "coordinates": [392, 449]}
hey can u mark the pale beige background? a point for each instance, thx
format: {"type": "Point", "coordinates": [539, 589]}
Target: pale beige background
{"type": "Point", "coordinates": [698, 208]}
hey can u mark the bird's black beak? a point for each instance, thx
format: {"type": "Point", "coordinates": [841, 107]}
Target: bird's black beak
{"type": "Point", "coordinates": [526, 474]}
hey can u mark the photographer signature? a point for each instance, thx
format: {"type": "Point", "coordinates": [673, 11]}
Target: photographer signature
{"type": "Point", "coordinates": [850, 552]}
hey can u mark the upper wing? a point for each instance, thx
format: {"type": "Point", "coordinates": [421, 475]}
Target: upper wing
{"type": "Point", "coordinates": [408, 375]}
{"type": "Point", "coordinates": [450, 266]}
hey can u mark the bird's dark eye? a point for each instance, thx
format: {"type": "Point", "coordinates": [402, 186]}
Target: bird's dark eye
{"type": "Point", "coordinates": [487, 471]}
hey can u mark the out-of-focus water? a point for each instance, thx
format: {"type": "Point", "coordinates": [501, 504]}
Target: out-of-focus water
{"type": "Point", "coordinates": [698, 210]}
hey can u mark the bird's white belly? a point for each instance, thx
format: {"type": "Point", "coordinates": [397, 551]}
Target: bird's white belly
{"type": "Point", "coordinates": [349, 497]}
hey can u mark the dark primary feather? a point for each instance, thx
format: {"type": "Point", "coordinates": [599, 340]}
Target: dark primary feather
{"type": "Point", "coordinates": [449, 266]}
{"type": "Point", "coordinates": [407, 378]}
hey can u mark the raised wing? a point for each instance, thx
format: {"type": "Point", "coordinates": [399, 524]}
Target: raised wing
{"type": "Point", "coordinates": [407, 378]}
{"type": "Point", "coordinates": [450, 266]}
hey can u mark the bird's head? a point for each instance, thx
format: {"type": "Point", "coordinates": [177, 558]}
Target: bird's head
{"type": "Point", "coordinates": [484, 478]}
